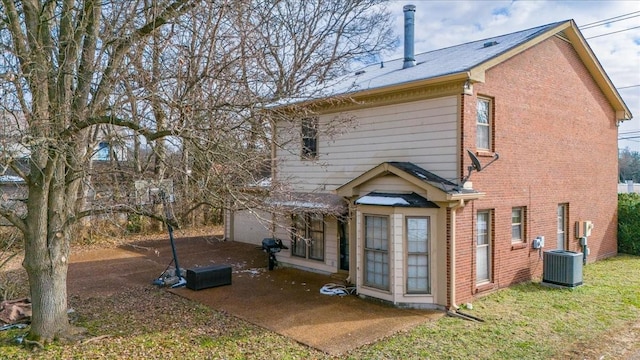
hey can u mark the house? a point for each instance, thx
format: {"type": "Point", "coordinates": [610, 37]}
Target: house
{"type": "Point", "coordinates": [460, 167]}
{"type": "Point", "coordinates": [628, 187]}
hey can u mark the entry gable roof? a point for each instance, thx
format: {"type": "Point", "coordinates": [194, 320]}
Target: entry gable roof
{"type": "Point", "coordinates": [438, 188]}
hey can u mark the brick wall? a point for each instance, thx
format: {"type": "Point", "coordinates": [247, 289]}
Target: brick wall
{"type": "Point", "coordinates": [557, 139]}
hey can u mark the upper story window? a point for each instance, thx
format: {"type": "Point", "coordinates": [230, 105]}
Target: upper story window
{"type": "Point", "coordinates": [309, 138]}
{"type": "Point", "coordinates": [483, 124]}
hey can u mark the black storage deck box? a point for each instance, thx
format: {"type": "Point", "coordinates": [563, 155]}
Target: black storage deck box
{"type": "Point", "coordinates": [207, 277]}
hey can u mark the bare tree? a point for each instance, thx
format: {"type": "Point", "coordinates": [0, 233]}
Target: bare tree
{"type": "Point", "coordinates": [63, 61]}
{"type": "Point", "coordinates": [182, 85]}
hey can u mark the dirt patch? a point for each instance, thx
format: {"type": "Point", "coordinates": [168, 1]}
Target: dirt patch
{"type": "Point", "coordinates": [619, 343]}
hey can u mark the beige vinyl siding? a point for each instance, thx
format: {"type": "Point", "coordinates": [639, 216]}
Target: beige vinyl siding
{"type": "Point", "coordinates": [391, 183]}
{"type": "Point", "coordinates": [423, 132]}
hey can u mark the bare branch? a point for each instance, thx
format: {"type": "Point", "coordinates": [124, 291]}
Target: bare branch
{"type": "Point", "coordinates": [115, 121]}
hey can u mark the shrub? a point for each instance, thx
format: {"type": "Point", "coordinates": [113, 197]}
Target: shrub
{"type": "Point", "coordinates": [629, 223]}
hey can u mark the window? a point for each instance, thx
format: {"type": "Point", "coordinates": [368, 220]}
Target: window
{"type": "Point", "coordinates": [308, 236]}
{"type": "Point", "coordinates": [483, 247]}
{"type": "Point", "coordinates": [483, 124]}
{"type": "Point", "coordinates": [103, 151]}
{"type": "Point", "coordinates": [418, 255]}
{"type": "Point", "coordinates": [562, 226]}
{"type": "Point", "coordinates": [376, 252]}
{"type": "Point", "coordinates": [517, 224]}
{"type": "Point", "coordinates": [310, 138]}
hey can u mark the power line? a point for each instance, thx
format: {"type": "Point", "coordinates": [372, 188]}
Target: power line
{"type": "Point", "coordinates": [625, 134]}
{"type": "Point", "coordinates": [629, 137]}
{"type": "Point", "coordinates": [613, 32]}
{"type": "Point", "coordinates": [608, 21]}
{"type": "Point", "coordinates": [628, 87]}
{"type": "Point", "coordinates": [631, 132]}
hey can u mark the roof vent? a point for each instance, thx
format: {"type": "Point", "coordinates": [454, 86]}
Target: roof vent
{"type": "Point", "coordinates": [360, 72]}
{"type": "Point", "coordinates": [490, 43]}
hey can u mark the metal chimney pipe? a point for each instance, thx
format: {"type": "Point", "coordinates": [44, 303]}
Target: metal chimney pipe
{"type": "Point", "coordinates": [409, 20]}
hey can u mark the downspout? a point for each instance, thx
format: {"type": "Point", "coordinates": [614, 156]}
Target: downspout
{"type": "Point", "coordinates": [452, 306]}
{"type": "Point", "coordinates": [273, 173]}
{"type": "Point", "coordinates": [453, 309]}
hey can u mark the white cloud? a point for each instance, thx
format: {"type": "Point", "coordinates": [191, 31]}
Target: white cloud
{"type": "Point", "coordinates": [446, 23]}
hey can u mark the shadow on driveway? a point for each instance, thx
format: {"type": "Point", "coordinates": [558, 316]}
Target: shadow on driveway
{"type": "Point", "coordinates": [285, 300]}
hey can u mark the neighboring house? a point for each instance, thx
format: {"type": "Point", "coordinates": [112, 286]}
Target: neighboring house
{"type": "Point", "coordinates": [411, 230]}
{"type": "Point", "coordinates": [104, 151]}
{"type": "Point", "coordinates": [13, 191]}
{"type": "Point", "coordinates": [628, 187]}
{"type": "Point", "coordinates": [12, 194]}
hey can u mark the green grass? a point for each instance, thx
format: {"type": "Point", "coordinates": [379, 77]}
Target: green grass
{"type": "Point", "coordinates": [527, 321]}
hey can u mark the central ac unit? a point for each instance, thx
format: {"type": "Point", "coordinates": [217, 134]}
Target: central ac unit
{"type": "Point", "coordinates": [562, 268]}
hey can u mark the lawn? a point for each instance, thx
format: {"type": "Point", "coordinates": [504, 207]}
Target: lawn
{"type": "Point", "coordinates": [598, 320]}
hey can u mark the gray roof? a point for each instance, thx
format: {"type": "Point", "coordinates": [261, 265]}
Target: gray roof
{"type": "Point", "coordinates": [395, 199]}
{"type": "Point", "coordinates": [434, 64]}
{"type": "Point", "coordinates": [430, 178]}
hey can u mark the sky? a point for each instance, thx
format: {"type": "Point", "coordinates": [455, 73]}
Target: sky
{"type": "Point", "coordinates": [615, 42]}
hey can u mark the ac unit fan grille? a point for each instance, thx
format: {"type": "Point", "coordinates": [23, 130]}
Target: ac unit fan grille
{"type": "Point", "coordinates": [562, 268]}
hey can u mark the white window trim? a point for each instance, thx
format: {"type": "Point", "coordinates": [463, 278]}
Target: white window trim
{"type": "Point", "coordinates": [487, 245]}
{"type": "Point", "coordinates": [366, 250]}
{"type": "Point", "coordinates": [427, 254]}
{"type": "Point", "coordinates": [565, 228]}
{"type": "Point", "coordinates": [521, 224]}
{"type": "Point", "coordinates": [489, 124]}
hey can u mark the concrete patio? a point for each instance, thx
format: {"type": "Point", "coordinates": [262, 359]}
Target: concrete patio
{"type": "Point", "coordinates": [287, 301]}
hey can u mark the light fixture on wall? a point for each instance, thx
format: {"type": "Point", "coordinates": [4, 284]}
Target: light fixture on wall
{"type": "Point", "coordinates": [467, 88]}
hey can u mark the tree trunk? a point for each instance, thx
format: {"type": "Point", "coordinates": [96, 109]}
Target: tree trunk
{"type": "Point", "coordinates": [48, 288]}
{"type": "Point", "coordinates": [46, 262]}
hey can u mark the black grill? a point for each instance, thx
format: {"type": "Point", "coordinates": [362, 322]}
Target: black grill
{"type": "Point", "coordinates": [272, 246]}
